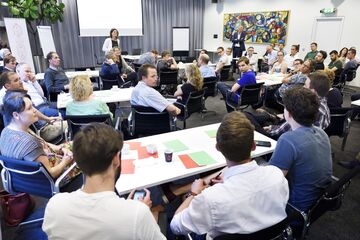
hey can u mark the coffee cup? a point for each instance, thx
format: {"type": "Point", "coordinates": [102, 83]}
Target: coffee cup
{"type": "Point", "coordinates": [168, 155]}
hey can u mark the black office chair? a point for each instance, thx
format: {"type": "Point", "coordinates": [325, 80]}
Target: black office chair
{"type": "Point", "coordinates": [136, 66]}
{"type": "Point", "coordinates": [245, 96]}
{"type": "Point", "coordinates": [330, 200]}
{"type": "Point", "coordinates": [168, 80]}
{"type": "Point", "coordinates": [225, 73]}
{"type": "Point", "coordinates": [340, 119]}
{"type": "Point", "coordinates": [210, 91]}
{"type": "Point", "coordinates": [195, 103]}
{"type": "Point", "coordinates": [136, 51]}
{"type": "Point", "coordinates": [75, 122]}
{"type": "Point", "coordinates": [278, 231]}
{"type": "Point", "coordinates": [347, 75]}
{"type": "Point", "coordinates": [109, 83]}
{"type": "Point", "coordinates": [147, 121]}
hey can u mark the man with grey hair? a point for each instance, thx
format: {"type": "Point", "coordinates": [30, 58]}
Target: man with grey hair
{"type": "Point", "coordinates": [205, 70]}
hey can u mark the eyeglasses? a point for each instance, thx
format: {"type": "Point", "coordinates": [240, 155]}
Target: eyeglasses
{"type": "Point", "coordinates": [306, 65]}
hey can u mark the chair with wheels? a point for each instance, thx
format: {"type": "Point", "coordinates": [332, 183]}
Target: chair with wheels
{"type": "Point", "coordinates": [210, 91]}
{"type": "Point", "coordinates": [75, 122]}
{"type": "Point", "coordinates": [147, 121]}
{"type": "Point", "coordinates": [245, 96]}
{"type": "Point", "coordinates": [195, 103]}
{"type": "Point", "coordinates": [225, 73]}
{"type": "Point", "coordinates": [340, 119]}
{"type": "Point", "coordinates": [330, 200]}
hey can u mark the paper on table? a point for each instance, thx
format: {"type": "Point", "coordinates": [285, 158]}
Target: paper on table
{"type": "Point", "coordinates": [142, 152]}
{"type": "Point", "coordinates": [202, 158]}
{"type": "Point", "coordinates": [188, 162]}
{"type": "Point", "coordinates": [133, 145]}
{"type": "Point", "coordinates": [176, 145]}
{"type": "Point", "coordinates": [127, 166]}
{"type": "Point", "coordinates": [211, 133]}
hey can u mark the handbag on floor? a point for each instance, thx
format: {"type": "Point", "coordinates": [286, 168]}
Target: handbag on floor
{"type": "Point", "coordinates": [15, 207]}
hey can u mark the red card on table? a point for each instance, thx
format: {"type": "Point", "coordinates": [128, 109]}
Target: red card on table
{"type": "Point", "coordinates": [188, 162]}
{"type": "Point", "coordinates": [134, 145]}
{"type": "Point", "coordinates": [142, 153]}
{"type": "Point", "coordinates": [127, 166]}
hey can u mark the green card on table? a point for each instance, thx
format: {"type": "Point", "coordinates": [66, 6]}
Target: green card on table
{"type": "Point", "coordinates": [202, 158]}
{"type": "Point", "coordinates": [176, 145]}
{"type": "Point", "coordinates": [211, 133]}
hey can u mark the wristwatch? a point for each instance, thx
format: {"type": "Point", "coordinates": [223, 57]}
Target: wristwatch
{"type": "Point", "coordinates": [191, 193]}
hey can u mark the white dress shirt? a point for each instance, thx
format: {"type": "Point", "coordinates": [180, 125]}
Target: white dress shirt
{"type": "Point", "coordinates": [35, 91]}
{"type": "Point", "coordinates": [290, 60]}
{"type": "Point", "coordinates": [251, 198]}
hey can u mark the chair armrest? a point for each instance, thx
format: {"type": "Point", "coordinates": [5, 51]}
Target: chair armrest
{"type": "Point", "coordinates": [298, 211]}
{"type": "Point", "coordinates": [63, 175]}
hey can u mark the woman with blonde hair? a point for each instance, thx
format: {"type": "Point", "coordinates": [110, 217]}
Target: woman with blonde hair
{"type": "Point", "coordinates": [334, 96]}
{"type": "Point", "coordinates": [194, 83]}
{"type": "Point", "coordinates": [84, 103]}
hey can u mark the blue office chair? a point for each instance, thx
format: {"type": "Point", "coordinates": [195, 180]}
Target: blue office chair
{"type": "Point", "coordinates": [30, 177]}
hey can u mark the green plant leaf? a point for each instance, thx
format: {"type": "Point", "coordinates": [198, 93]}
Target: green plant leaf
{"type": "Point", "coordinates": [27, 13]}
{"type": "Point", "coordinates": [14, 11]}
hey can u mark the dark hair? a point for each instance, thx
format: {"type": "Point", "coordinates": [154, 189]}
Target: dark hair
{"type": "Point", "coordinates": [164, 53]}
{"type": "Point", "coordinates": [144, 70]}
{"type": "Point", "coordinates": [14, 102]}
{"type": "Point", "coordinates": [154, 51]}
{"type": "Point", "coordinates": [302, 104]}
{"type": "Point", "coordinates": [245, 60]}
{"type": "Point", "coordinates": [235, 137]}
{"type": "Point", "coordinates": [323, 53]}
{"type": "Point", "coordinates": [204, 50]}
{"type": "Point", "coordinates": [9, 59]}
{"type": "Point", "coordinates": [299, 60]}
{"type": "Point", "coordinates": [319, 81]}
{"type": "Point", "coordinates": [5, 78]}
{"type": "Point", "coordinates": [344, 48]}
{"type": "Point", "coordinates": [221, 48]}
{"type": "Point", "coordinates": [114, 29]}
{"type": "Point", "coordinates": [334, 52]}
{"type": "Point", "coordinates": [353, 51]}
{"type": "Point", "coordinates": [312, 64]}
{"type": "Point", "coordinates": [297, 47]}
{"type": "Point", "coordinates": [281, 52]}
{"type": "Point", "coordinates": [95, 146]}
{"type": "Point", "coordinates": [49, 56]}
{"type": "Point", "coordinates": [314, 43]}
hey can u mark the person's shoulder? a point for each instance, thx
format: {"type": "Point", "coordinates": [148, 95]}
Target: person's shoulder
{"type": "Point", "coordinates": [59, 200]}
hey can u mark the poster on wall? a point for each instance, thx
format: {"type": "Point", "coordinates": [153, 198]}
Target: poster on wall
{"type": "Point", "coordinates": [260, 27]}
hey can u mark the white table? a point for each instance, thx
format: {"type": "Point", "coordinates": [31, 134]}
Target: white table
{"type": "Point", "coordinates": [71, 74]}
{"type": "Point", "coordinates": [270, 79]}
{"type": "Point", "coordinates": [356, 103]}
{"type": "Point", "coordinates": [107, 96]}
{"type": "Point", "coordinates": [155, 171]}
{"type": "Point", "coordinates": [131, 58]}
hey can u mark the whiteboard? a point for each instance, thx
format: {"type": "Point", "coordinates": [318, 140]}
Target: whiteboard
{"type": "Point", "coordinates": [46, 40]}
{"type": "Point", "coordinates": [181, 39]}
{"type": "Point", "coordinates": [19, 40]}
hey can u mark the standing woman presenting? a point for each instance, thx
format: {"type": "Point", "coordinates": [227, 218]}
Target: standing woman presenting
{"type": "Point", "coordinates": [112, 41]}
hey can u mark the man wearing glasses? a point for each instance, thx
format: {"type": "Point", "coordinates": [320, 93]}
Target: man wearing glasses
{"type": "Point", "coordinates": [222, 61]}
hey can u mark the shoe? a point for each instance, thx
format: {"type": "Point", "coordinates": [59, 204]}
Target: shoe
{"type": "Point", "coordinates": [349, 164]}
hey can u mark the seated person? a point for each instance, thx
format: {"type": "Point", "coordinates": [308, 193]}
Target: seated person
{"type": "Point", "coordinates": [145, 95]}
{"type": "Point", "coordinates": [352, 63]}
{"type": "Point", "coordinates": [281, 47]}
{"type": "Point", "coordinates": [35, 91]}
{"type": "Point", "coordinates": [9, 64]}
{"type": "Point", "coordinates": [194, 83]}
{"type": "Point", "coordinates": [205, 70]}
{"type": "Point", "coordinates": [242, 197]}
{"type": "Point", "coordinates": [229, 56]}
{"type": "Point", "coordinates": [334, 97]}
{"type": "Point", "coordinates": [223, 60]}
{"type": "Point", "coordinates": [318, 83]}
{"type": "Point", "coordinates": [97, 150]}
{"type": "Point", "coordinates": [126, 72]}
{"type": "Point", "coordinates": [290, 58]}
{"type": "Point", "coordinates": [280, 66]}
{"type": "Point", "coordinates": [297, 79]}
{"type": "Point", "coordinates": [335, 65]}
{"type": "Point", "coordinates": [311, 55]}
{"type": "Point", "coordinates": [109, 69]}
{"type": "Point", "coordinates": [18, 141]}
{"type": "Point", "coordinates": [84, 103]}
{"type": "Point", "coordinates": [12, 82]}
{"type": "Point", "coordinates": [296, 68]}
{"type": "Point", "coordinates": [202, 51]}
{"type": "Point", "coordinates": [149, 57]}
{"type": "Point", "coordinates": [303, 154]}
{"type": "Point", "coordinates": [270, 56]}
{"type": "Point", "coordinates": [253, 59]}
{"type": "Point", "coordinates": [319, 60]}
{"type": "Point", "coordinates": [55, 78]}
{"type": "Point", "coordinates": [4, 52]}
{"type": "Point", "coordinates": [247, 78]}
{"type": "Point", "coordinates": [166, 63]}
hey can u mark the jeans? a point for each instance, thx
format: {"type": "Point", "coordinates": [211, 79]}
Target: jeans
{"type": "Point", "coordinates": [223, 88]}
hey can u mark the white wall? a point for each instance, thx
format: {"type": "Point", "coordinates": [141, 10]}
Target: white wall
{"type": "Point", "coordinates": [302, 15]}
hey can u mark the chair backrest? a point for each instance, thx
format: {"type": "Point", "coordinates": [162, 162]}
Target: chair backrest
{"type": "Point", "coordinates": [168, 77]}
{"type": "Point", "coordinates": [195, 102]}
{"type": "Point", "coordinates": [136, 51]}
{"type": "Point", "coordinates": [339, 121]}
{"type": "Point", "coordinates": [75, 122]}
{"type": "Point", "coordinates": [81, 69]}
{"type": "Point", "coordinates": [347, 75]}
{"type": "Point", "coordinates": [210, 85]}
{"type": "Point", "coordinates": [332, 197]}
{"type": "Point", "coordinates": [28, 177]}
{"type": "Point", "coordinates": [250, 94]}
{"type": "Point", "coordinates": [224, 73]}
{"type": "Point", "coordinates": [108, 84]}
{"type": "Point", "coordinates": [273, 232]}
{"type": "Point", "coordinates": [136, 66]}
{"type": "Point", "coordinates": [148, 121]}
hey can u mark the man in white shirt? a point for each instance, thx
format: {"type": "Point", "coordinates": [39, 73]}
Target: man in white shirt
{"type": "Point", "coordinates": [253, 59]}
{"type": "Point", "coordinates": [222, 61]}
{"type": "Point", "coordinates": [270, 55]}
{"type": "Point", "coordinates": [246, 199]}
{"type": "Point", "coordinates": [96, 212]}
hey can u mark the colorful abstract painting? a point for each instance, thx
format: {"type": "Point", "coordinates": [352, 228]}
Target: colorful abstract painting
{"type": "Point", "coordinates": [260, 27]}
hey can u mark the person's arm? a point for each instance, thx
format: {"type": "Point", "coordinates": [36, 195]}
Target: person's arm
{"type": "Point", "coordinates": [179, 91]}
{"type": "Point", "coordinates": [126, 66]}
{"type": "Point", "coordinates": [277, 130]}
{"type": "Point", "coordinates": [173, 110]}
{"type": "Point", "coordinates": [196, 188]}
{"type": "Point", "coordinates": [284, 155]}
{"type": "Point", "coordinates": [219, 67]}
{"type": "Point", "coordinates": [58, 169]}
{"type": "Point", "coordinates": [284, 68]}
{"type": "Point", "coordinates": [46, 118]}
{"type": "Point", "coordinates": [235, 87]}
{"type": "Point", "coordinates": [173, 65]}
{"type": "Point", "coordinates": [107, 45]}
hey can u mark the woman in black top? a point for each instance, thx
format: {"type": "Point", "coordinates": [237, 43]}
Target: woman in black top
{"type": "Point", "coordinates": [194, 83]}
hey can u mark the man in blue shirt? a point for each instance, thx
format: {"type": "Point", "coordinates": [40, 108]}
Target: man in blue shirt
{"type": "Point", "coordinates": [247, 78]}
{"type": "Point", "coordinates": [303, 154]}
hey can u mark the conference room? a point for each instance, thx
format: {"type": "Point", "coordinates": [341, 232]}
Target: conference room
{"type": "Point", "coordinates": [184, 82]}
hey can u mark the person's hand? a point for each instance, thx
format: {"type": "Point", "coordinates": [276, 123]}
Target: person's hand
{"type": "Point", "coordinates": [197, 186]}
{"type": "Point", "coordinates": [32, 77]}
{"type": "Point", "coordinates": [67, 152]}
{"type": "Point", "coordinates": [146, 199]}
{"type": "Point", "coordinates": [51, 120]}
{"type": "Point", "coordinates": [67, 159]}
{"type": "Point", "coordinates": [110, 61]}
{"type": "Point", "coordinates": [177, 111]}
{"type": "Point", "coordinates": [67, 86]}
{"type": "Point", "coordinates": [217, 179]}
{"type": "Point", "coordinates": [124, 75]}
{"type": "Point", "coordinates": [267, 128]}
